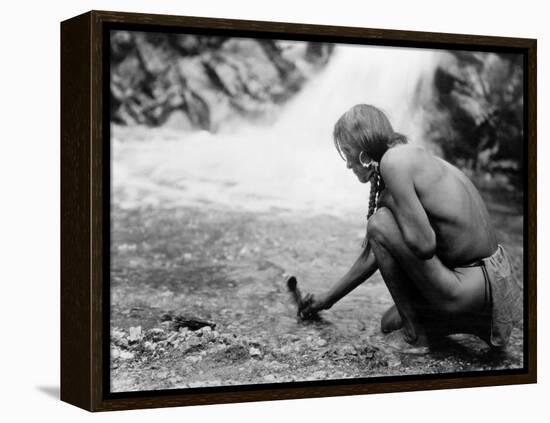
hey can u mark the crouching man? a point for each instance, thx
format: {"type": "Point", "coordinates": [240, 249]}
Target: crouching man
{"type": "Point", "coordinates": [429, 234]}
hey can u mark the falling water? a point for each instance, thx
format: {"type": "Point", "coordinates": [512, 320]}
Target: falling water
{"type": "Point", "coordinates": [290, 164]}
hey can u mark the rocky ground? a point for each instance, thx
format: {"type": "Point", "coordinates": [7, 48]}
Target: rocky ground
{"type": "Point", "coordinates": [227, 270]}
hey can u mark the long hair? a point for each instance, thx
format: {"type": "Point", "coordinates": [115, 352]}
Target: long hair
{"type": "Point", "coordinates": [376, 186]}
{"type": "Point", "coordinates": [367, 129]}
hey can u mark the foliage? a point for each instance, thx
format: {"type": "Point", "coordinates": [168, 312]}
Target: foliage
{"type": "Point", "coordinates": [477, 116]}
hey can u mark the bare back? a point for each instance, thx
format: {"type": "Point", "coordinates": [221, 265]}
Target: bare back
{"type": "Point", "coordinates": [453, 205]}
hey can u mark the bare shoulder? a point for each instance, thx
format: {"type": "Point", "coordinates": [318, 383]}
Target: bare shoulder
{"type": "Point", "coordinates": [403, 158]}
{"type": "Point", "coordinates": [409, 162]}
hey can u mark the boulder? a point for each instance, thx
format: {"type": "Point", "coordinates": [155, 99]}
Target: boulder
{"type": "Point", "coordinates": [203, 82]}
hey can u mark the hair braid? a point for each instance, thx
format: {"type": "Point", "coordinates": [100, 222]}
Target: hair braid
{"type": "Point", "coordinates": [375, 186]}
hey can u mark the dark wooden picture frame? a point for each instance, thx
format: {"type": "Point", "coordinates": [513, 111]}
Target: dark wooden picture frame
{"type": "Point", "coordinates": [85, 219]}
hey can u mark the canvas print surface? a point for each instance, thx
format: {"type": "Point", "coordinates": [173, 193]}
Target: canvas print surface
{"type": "Point", "coordinates": [242, 174]}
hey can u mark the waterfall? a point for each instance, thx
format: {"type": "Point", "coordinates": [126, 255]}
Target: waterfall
{"type": "Point", "coordinates": [288, 165]}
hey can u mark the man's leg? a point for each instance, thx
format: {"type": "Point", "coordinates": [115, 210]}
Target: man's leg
{"type": "Point", "coordinates": [420, 288]}
{"type": "Point", "coordinates": [405, 295]}
{"type": "Point", "coordinates": [391, 320]}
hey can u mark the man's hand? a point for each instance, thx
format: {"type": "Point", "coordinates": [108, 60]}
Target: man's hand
{"type": "Point", "coordinates": [311, 305]}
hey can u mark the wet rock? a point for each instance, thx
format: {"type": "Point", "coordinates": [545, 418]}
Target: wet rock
{"type": "Point", "coordinates": [393, 362]}
{"type": "Point", "coordinates": [205, 330]}
{"type": "Point", "coordinates": [122, 44]}
{"type": "Point", "coordinates": [320, 374]}
{"type": "Point", "coordinates": [126, 355]}
{"type": "Point", "coordinates": [157, 75]}
{"type": "Point", "coordinates": [183, 332]}
{"type": "Point", "coordinates": [194, 359]}
{"type": "Point", "coordinates": [193, 323]}
{"type": "Point", "coordinates": [195, 384]}
{"type": "Point", "coordinates": [187, 44]}
{"type": "Point", "coordinates": [321, 343]}
{"type": "Point", "coordinates": [155, 335]}
{"type": "Point", "coordinates": [255, 352]}
{"type": "Point", "coordinates": [206, 333]}
{"type": "Point", "coordinates": [173, 337]}
{"type": "Point", "coordinates": [346, 350]}
{"type": "Point", "coordinates": [149, 345]}
{"type": "Point", "coordinates": [193, 341]}
{"type": "Point", "coordinates": [119, 337]}
{"type": "Point", "coordinates": [135, 334]}
{"type": "Point", "coordinates": [233, 353]}
{"type": "Point", "coordinates": [270, 378]}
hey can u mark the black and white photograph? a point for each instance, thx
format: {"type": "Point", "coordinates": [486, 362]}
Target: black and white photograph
{"type": "Point", "coordinates": [288, 211]}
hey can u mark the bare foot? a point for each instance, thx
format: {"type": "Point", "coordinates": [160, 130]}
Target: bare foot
{"type": "Point", "coordinates": [391, 320]}
{"type": "Point", "coordinates": [400, 341]}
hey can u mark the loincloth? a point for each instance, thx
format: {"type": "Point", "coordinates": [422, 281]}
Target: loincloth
{"type": "Point", "coordinates": [503, 296]}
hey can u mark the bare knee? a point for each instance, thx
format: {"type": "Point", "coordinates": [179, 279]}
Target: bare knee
{"type": "Point", "coordinates": [381, 224]}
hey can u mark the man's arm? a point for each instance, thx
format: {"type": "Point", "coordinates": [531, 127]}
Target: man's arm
{"type": "Point", "coordinates": [399, 168]}
{"type": "Point", "coordinates": [362, 269]}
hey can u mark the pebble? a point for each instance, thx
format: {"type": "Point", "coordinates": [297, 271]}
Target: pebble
{"type": "Point", "coordinates": [270, 378]}
{"type": "Point", "coordinates": [286, 349]}
{"type": "Point", "coordinates": [195, 384]}
{"type": "Point", "coordinates": [156, 334]}
{"type": "Point", "coordinates": [135, 334]}
{"type": "Point", "coordinates": [254, 352]}
{"type": "Point", "coordinates": [184, 332]}
{"type": "Point", "coordinates": [194, 341]}
{"type": "Point", "coordinates": [319, 375]}
{"type": "Point", "coordinates": [117, 334]}
{"type": "Point", "coordinates": [126, 355]}
{"type": "Point", "coordinates": [172, 338]}
{"type": "Point", "coordinates": [346, 350]}
{"type": "Point", "coordinates": [394, 362]}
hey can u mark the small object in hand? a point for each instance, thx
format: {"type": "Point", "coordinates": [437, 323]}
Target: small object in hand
{"type": "Point", "coordinates": [300, 301]}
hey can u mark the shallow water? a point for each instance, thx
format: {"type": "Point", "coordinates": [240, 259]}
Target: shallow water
{"type": "Point", "coordinates": [230, 268]}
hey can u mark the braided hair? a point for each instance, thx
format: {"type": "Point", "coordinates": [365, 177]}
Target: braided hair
{"type": "Point", "coordinates": [367, 129]}
{"type": "Point", "coordinates": [375, 188]}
